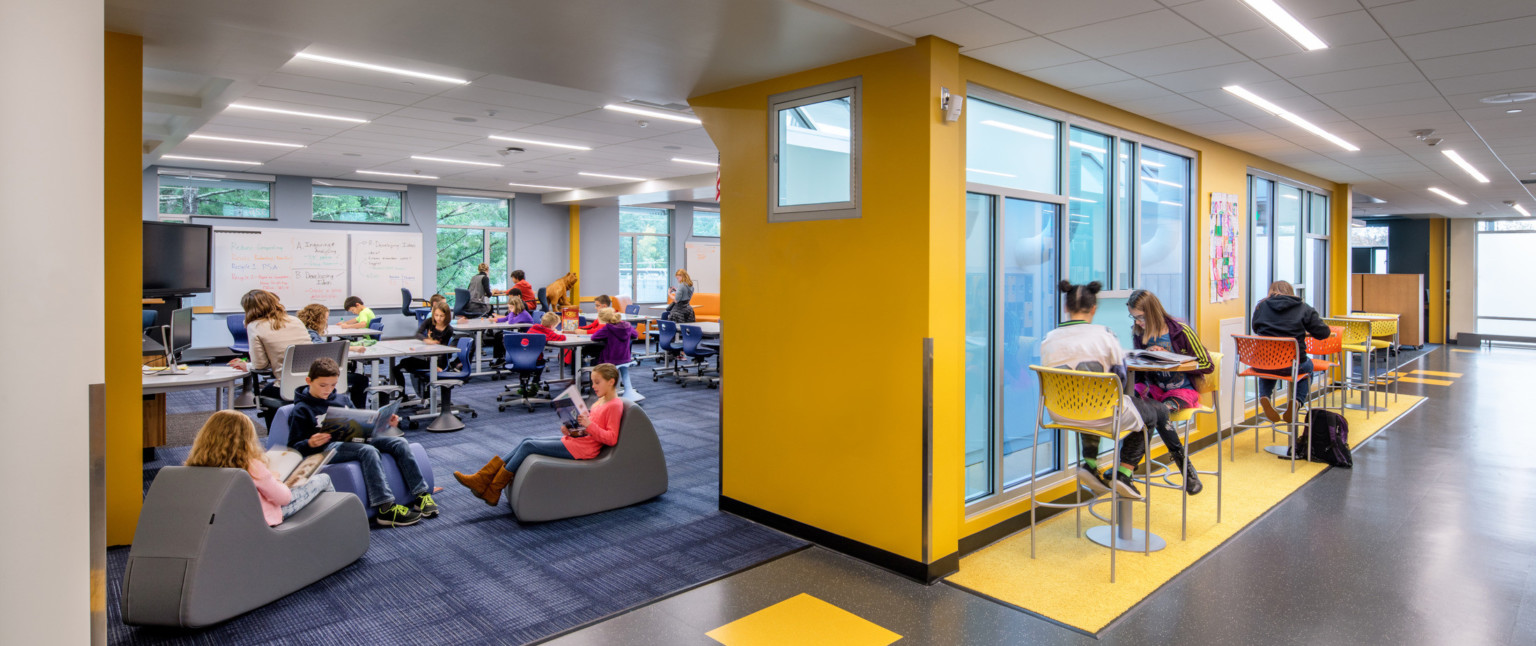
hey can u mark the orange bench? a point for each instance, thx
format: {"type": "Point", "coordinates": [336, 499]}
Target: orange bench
{"type": "Point", "coordinates": [706, 307]}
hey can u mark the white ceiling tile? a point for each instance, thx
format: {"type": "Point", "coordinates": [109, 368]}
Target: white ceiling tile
{"type": "Point", "coordinates": [499, 99]}
{"type": "Point", "coordinates": [1499, 60]}
{"type": "Point", "coordinates": [1247, 73]}
{"type": "Point", "coordinates": [1394, 109]}
{"type": "Point", "coordinates": [1193, 116]}
{"type": "Point", "coordinates": [1051, 16]}
{"type": "Point", "coordinates": [1262, 43]}
{"type": "Point", "coordinates": [321, 103]}
{"type": "Point", "coordinates": [534, 88]}
{"type": "Point", "coordinates": [1379, 95]}
{"type": "Point", "coordinates": [360, 76]}
{"type": "Point", "coordinates": [968, 28]}
{"type": "Point", "coordinates": [1027, 54]}
{"type": "Point", "coordinates": [1333, 59]}
{"type": "Point", "coordinates": [1156, 107]}
{"type": "Point", "coordinates": [476, 109]}
{"type": "Point", "coordinates": [1465, 40]}
{"type": "Point", "coordinates": [403, 95]}
{"type": "Point", "coordinates": [1393, 74]}
{"type": "Point", "coordinates": [1495, 83]}
{"type": "Point", "coordinates": [1134, 33]}
{"type": "Point", "coordinates": [1192, 55]}
{"type": "Point", "coordinates": [1075, 75]}
{"type": "Point", "coordinates": [891, 12]}
{"type": "Point", "coordinates": [1129, 90]}
{"type": "Point", "coordinates": [1419, 16]}
{"type": "Point", "coordinates": [1221, 17]}
{"type": "Point", "coordinates": [1346, 28]}
{"type": "Point", "coordinates": [1308, 10]}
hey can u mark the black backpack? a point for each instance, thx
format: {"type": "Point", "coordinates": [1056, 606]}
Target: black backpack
{"type": "Point", "coordinates": [1327, 434]}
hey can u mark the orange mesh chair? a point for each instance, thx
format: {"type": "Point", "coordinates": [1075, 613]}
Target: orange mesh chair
{"type": "Point", "coordinates": [1356, 340]}
{"type": "Point", "coordinates": [1272, 353]}
{"type": "Point", "coordinates": [1079, 395]}
{"type": "Point", "coordinates": [1210, 404]}
{"type": "Point", "coordinates": [1325, 355]}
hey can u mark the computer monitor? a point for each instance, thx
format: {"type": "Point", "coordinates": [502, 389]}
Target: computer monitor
{"type": "Point", "coordinates": [179, 337]}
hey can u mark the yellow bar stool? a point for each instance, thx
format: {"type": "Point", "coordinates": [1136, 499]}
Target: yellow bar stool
{"type": "Point", "coordinates": [1385, 325]}
{"type": "Point", "coordinates": [1357, 340]}
{"type": "Point", "coordinates": [1210, 404]}
{"type": "Point", "coordinates": [1073, 396]}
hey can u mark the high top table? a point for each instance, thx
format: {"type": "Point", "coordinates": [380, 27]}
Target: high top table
{"type": "Point", "coordinates": [480, 327]}
{"type": "Point", "coordinates": [156, 384]}
{"type": "Point", "coordinates": [338, 332]}
{"type": "Point", "coordinates": [383, 350]}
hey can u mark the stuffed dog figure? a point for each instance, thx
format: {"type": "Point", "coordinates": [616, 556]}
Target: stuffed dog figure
{"type": "Point", "coordinates": [559, 292]}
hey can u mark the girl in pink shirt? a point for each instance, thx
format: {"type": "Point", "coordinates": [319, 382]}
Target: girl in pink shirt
{"type": "Point", "coordinates": [228, 440]}
{"type": "Point", "coordinates": [598, 428]}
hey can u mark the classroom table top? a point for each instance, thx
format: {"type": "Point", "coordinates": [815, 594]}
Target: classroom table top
{"type": "Point", "coordinates": [473, 325]}
{"type": "Point", "coordinates": [572, 340]}
{"type": "Point", "coordinates": [156, 382]}
{"type": "Point", "coordinates": [342, 332]}
{"type": "Point", "coordinates": [400, 348]}
{"type": "Point", "coordinates": [709, 328]}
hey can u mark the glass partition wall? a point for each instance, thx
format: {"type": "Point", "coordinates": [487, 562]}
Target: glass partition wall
{"type": "Point", "coordinates": [1050, 196]}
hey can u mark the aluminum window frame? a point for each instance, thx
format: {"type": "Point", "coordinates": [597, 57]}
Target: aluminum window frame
{"type": "Point", "coordinates": [853, 89]}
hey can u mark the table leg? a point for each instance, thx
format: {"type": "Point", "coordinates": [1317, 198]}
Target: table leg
{"type": "Point", "coordinates": [479, 352]}
{"type": "Point", "coordinates": [576, 368]}
{"type": "Point", "coordinates": [432, 382]}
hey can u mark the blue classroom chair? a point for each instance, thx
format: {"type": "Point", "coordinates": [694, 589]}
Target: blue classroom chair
{"type": "Point", "coordinates": [524, 352]}
{"type": "Point", "coordinates": [236, 323]}
{"type": "Point", "coordinates": [693, 336]}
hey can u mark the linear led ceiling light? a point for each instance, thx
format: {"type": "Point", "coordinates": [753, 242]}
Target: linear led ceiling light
{"type": "Point", "coordinates": [1447, 196]}
{"type": "Point", "coordinates": [552, 188]}
{"type": "Point", "coordinates": [212, 160]}
{"type": "Point", "coordinates": [244, 106]}
{"type": "Point", "coordinates": [246, 141]}
{"type": "Point", "coordinates": [1018, 129]}
{"type": "Point", "coordinates": [379, 172]}
{"type": "Point", "coordinates": [1522, 210]}
{"type": "Point", "coordinates": [379, 68]}
{"type": "Point", "coordinates": [1466, 166]}
{"type": "Point", "coordinates": [454, 161]}
{"type": "Point", "coordinates": [1287, 23]}
{"type": "Point", "coordinates": [535, 142]}
{"type": "Point", "coordinates": [1286, 114]}
{"type": "Point", "coordinates": [632, 179]}
{"type": "Point", "coordinates": [680, 160]}
{"type": "Point", "coordinates": [670, 116]}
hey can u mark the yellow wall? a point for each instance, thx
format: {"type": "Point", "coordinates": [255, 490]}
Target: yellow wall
{"type": "Point", "coordinates": [575, 254]}
{"type": "Point", "coordinates": [1435, 282]}
{"type": "Point", "coordinates": [121, 287]}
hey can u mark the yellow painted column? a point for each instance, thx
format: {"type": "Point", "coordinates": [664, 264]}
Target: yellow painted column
{"type": "Point", "coordinates": [121, 285]}
{"type": "Point", "coordinates": [1338, 248]}
{"type": "Point", "coordinates": [576, 251]}
{"type": "Point", "coordinates": [1435, 282]}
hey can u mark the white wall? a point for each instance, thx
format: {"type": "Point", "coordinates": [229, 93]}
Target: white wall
{"type": "Point", "coordinates": [56, 48]}
{"type": "Point", "coordinates": [1463, 269]}
{"type": "Point", "coordinates": [599, 251]}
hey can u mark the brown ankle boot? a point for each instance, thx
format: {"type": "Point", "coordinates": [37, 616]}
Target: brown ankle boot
{"type": "Point", "coordinates": [492, 494]}
{"type": "Point", "coordinates": [482, 479]}
{"type": "Point", "coordinates": [1269, 410]}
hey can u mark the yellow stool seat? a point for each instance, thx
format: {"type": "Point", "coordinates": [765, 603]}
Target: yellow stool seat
{"type": "Point", "coordinates": [1188, 413]}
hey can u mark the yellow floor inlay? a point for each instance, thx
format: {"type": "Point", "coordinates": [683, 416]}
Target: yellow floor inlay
{"type": "Point", "coordinates": [1453, 375]}
{"type": "Point", "coordinates": [1432, 382]}
{"type": "Point", "coordinates": [802, 620]}
{"type": "Point", "coordinates": [1466, 351]}
{"type": "Point", "coordinates": [1069, 581]}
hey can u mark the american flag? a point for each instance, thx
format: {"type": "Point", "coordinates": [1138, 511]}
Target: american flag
{"type": "Point", "coordinates": [717, 178]}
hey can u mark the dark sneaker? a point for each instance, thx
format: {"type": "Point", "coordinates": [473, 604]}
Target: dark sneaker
{"type": "Point", "coordinates": [1269, 410]}
{"type": "Point", "coordinates": [1091, 479]}
{"type": "Point", "coordinates": [1192, 484]}
{"type": "Point", "coordinates": [425, 505]}
{"type": "Point", "coordinates": [397, 516]}
{"type": "Point", "coordinates": [1125, 486]}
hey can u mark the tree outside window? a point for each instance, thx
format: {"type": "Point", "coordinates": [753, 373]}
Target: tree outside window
{"type": "Point", "coordinates": [645, 257]}
{"type": "Point", "coordinates": [347, 204]}
{"type": "Point", "coordinates": [470, 230]}
{"type": "Point", "coordinates": [215, 197]}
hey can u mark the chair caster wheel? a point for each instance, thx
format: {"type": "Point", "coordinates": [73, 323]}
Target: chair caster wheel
{"type": "Point", "coordinates": [501, 409]}
{"type": "Point", "coordinates": [474, 415]}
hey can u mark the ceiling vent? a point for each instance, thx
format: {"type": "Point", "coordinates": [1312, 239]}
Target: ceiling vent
{"type": "Point", "coordinates": [675, 107]}
{"type": "Point", "coordinates": [1362, 198]}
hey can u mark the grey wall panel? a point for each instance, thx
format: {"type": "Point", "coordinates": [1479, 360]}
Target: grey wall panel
{"type": "Point", "coordinates": [541, 239]}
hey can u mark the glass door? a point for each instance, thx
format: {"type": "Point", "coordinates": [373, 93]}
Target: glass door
{"type": "Point", "coordinates": [1028, 264]}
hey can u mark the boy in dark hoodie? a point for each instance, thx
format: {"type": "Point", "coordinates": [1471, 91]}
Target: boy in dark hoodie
{"type": "Point", "coordinates": [310, 403]}
{"type": "Point", "coordinates": [1283, 314]}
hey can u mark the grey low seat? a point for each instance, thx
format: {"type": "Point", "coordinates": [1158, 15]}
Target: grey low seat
{"type": "Point", "coordinates": [203, 553]}
{"type": "Point", "coordinates": [631, 471]}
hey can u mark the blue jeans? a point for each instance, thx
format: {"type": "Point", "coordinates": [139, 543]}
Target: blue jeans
{"type": "Point", "coordinates": [1303, 385]}
{"type": "Point", "coordinates": [550, 446]}
{"type": "Point", "coordinates": [306, 493]}
{"type": "Point", "coordinates": [367, 456]}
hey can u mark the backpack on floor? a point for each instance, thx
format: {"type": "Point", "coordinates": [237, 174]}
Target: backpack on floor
{"type": "Point", "coordinates": [1327, 433]}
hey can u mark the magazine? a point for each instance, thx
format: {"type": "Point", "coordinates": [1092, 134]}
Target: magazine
{"type": "Point", "coordinates": [290, 466]}
{"type": "Point", "coordinates": [356, 425]}
{"type": "Point", "coordinates": [570, 407]}
{"type": "Point", "coordinates": [1157, 358]}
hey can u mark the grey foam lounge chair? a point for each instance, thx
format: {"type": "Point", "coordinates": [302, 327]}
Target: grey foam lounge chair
{"type": "Point", "coordinates": [203, 553]}
{"type": "Point", "coordinates": [632, 471]}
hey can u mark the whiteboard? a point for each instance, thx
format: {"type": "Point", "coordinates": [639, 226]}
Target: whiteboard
{"type": "Point", "coordinates": [301, 266]}
{"type": "Point", "coordinates": [703, 264]}
{"type": "Point", "coordinates": [383, 263]}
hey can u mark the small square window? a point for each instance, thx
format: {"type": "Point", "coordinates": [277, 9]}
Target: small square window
{"type": "Point", "coordinates": [347, 204]}
{"type": "Point", "coordinates": [814, 164]}
{"type": "Point", "coordinates": [706, 224]}
{"type": "Point", "coordinates": [214, 197]}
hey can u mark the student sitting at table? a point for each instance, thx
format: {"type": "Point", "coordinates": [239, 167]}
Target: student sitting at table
{"type": "Point", "coordinates": [598, 428]}
{"type": "Point", "coordinates": [228, 441]}
{"type": "Point", "coordinates": [315, 318]}
{"type": "Point", "coordinates": [311, 401]}
{"type": "Point", "coordinates": [1078, 344]}
{"type": "Point", "coordinates": [1282, 314]}
{"type": "Point", "coordinates": [523, 290]}
{"type": "Point", "coordinates": [547, 327]}
{"type": "Point", "coordinates": [437, 329]}
{"type": "Point", "coordinates": [516, 314]}
{"type": "Point", "coordinates": [617, 336]}
{"type": "Point", "coordinates": [1153, 329]}
{"type": "Point", "coordinates": [592, 326]}
{"type": "Point", "coordinates": [361, 314]}
{"type": "Point", "coordinates": [269, 330]}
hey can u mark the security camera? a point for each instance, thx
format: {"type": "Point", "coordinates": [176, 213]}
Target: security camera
{"type": "Point", "coordinates": [1433, 141]}
{"type": "Point", "coordinates": [642, 123]}
{"type": "Point", "coordinates": [509, 150]}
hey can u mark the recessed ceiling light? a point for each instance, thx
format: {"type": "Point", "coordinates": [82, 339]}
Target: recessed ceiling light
{"type": "Point", "coordinates": [212, 160]}
{"type": "Point", "coordinates": [1522, 210]}
{"type": "Point", "coordinates": [1509, 97]}
{"type": "Point", "coordinates": [670, 116]}
{"type": "Point", "coordinates": [1513, 111]}
{"type": "Point", "coordinates": [989, 172]}
{"type": "Point", "coordinates": [1465, 166]}
{"type": "Point", "coordinates": [1447, 196]}
{"type": "Point", "coordinates": [465, 119]}
{"type": "Point", "coordinates": [1018, 129]}
{"type": "Point", "coordinates": [454, 161]}
{"type": "Point", "coordinates": [296, 113]}
{"type": "Point", "coordinates": [552, 188]}
{"type": "Point", "coordinates": [680, 160]}
{"type": "Point", "coordinates": [1287, 23]}
{"type": "Point", "coordinates": [1286, 114]}
{"type": "Point", "coordinates": [378, 68]}
{"type": "Point", "coordinates": [246, 141]}
{"type": "Point", "coordinates": [632, 179]}
{"type": "Point", "coordinates": [379, 172]}
{"type": "Point", "coordinates": [536, 142]}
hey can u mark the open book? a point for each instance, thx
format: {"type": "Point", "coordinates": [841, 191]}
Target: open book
{"type": "Point", "coordinates": [1159, 358]}
{"type": "Point", "coordinates": [290, 465]}
{"type": "Point", "coordinates": [355, 424]}
{"type": "Point", "coordinates": [569, 406]}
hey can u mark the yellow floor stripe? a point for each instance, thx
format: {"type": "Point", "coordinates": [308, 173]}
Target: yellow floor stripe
{"type": "Point", "coordinates": [1432, 382]}
{"type": "Point", "coordinates": [1454, 375]}
{"type": "Point", "coordinates": [803, 619]}
{"type": "Point", "coordinates": [1466, 351]}
{"type": "Point", "coordinates": [1069, 581]}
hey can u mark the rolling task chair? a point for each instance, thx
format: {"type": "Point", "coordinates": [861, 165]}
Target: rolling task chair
{"type": "Point", "coordinates": [236, 324]}
{"type": "Point", "coordinates": [693, 336]}
{"type": "Point", "coordinates": [523, 353]}
{"type": "Point", "coordinates": [407, 304]}
{"type": "Point", "coordinates": [446, 419]}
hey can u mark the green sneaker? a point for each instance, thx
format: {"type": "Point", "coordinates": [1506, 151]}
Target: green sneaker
{"type": "Point", "coordinates": [397, 516]}
{"type": "Point", "coordinates": [425, 505]}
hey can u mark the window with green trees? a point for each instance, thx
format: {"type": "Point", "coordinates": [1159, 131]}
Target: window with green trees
{"type": "Point", "coordinates": [645, 256]}
{"type": "Point", "coordinates": [348, 204]}
{"type": "Point", "coordinates": [706, 224]}
{"type": "Point", "coordinates": [471, 230]}
{"type": "Point", "coordinates": [214, 197]}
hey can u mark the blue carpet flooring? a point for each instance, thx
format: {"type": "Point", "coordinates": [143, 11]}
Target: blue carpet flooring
{"type": "Point", "coordinates": [474, 575]}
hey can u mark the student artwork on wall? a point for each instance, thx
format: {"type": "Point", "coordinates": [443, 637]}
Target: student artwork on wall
{"type": "Point", "coordinates": [1223, 257]}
